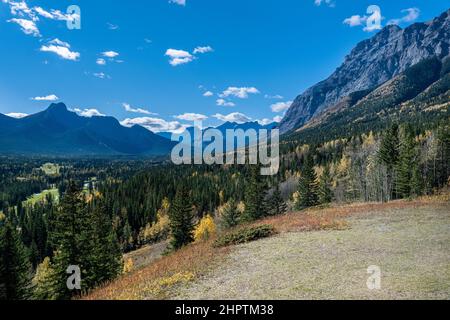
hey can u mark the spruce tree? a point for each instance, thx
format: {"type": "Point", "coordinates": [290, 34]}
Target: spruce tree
{"type": "Point", "coordinates": [255, 206]}
{"type": "Point", "coordinates": [230, 215]}
{"type": "Point", "coordinates": [276, 203]}
{"type": "Point", "coordinates": [406, 162]}
{"type": "Point", "coordinates": [71, 238]}
{"type": "Point", "coordinates": [15, 268]}
{"type": "Point", "coordinates": [105, 257]}
{"type": "Point", "coordinates": [325, 193]}
{"type": "Point", "coordinates": [416, 180]}
{"type": "Point", "coordinates": [43, 281]}
{"type": "Point", "coordinates": [388, 155]}
{"type": "Point", "coordinates": [181, 219]}
{"type": "Point", "coordinates": [307, 186]}
{"type": "Point", "coordinates": [443, 156]}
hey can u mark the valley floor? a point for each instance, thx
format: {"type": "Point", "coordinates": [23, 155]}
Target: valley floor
{"type": "Point", "coordinates": [410, 245]}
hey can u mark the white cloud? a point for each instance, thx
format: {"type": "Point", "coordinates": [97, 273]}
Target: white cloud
{"type": "Point", "coordinates": [21, 9]}
{"type": "Point", "coordinates": [110, 54]}
{"type": "Point", "coordinates": [329, 3]}
{"type": "Point", "coordinates": [179, 2]}
{"type": "Point", "coordinates": [58, 42]}
{"type": "Point", "coordinates": [276, 97]}
{"type": "Point", "coordinates": [355, 20]}
{"type": "Point", "coordinates": [411, 15]}
{"type": "Point", "coordinates": [100, 61]}
{"type": "Point", "coordinates": [17, 115]}
{"type": "Point", "coordinates": [56, 14]}
{"type": "Point", "coordinates": [223, 103]}
{"type": "Point", "coordinates": [112, 26]}
{"type": "Point", "coordinates": [101, 75]}
{"type": "Point", "coordinates": [27, 26]}
{"type": "Point", "coordinates": [89, 113]}
{"type": "Point", "coordinates": [281, 106]}
{"type": "Point", "coordinates": [129, 108]}
{"type": "Point", "coordinates": [266, 121]}
{"type": "Point", "coordinates": [43, 13]}
{"type": "Point", "coordinates": [232, 117]}
{"type": "Point", "coordinates": [28, 16]}
{"type": "Point", "coordinates": [191, 117]}
{"type": "Point", "coordinates": [277, 119]}
{"type": "Point", "coordinates": [178, 57]}
{"type": "Point", "coordinates": [241, 93]}
{"type": "Point", "coordinates": [208, 94]}
{"type": "Point", "coordinates": [60, 48]}
{"type": "Point", "coordinates": [50, 97]}
{"type": "Point", "coordinates": [155, 124]}
{"type": "Point", "coordinates": [203, 49]}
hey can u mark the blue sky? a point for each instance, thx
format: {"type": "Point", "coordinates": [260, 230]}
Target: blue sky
{"type": "Point", "coordinates": [160, 63]}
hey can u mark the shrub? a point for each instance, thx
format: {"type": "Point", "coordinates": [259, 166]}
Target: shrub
{"type": "Point", "coordinates": [244, 235]}
{"type": "Point", "coordinates": [205, 229]}
{"type": "Point", "coordinates": [158, 231]}
{"type": "Point", "coordinates": [128, 265]}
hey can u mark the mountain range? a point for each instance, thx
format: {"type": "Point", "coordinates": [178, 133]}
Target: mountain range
{"type": "Point", "coordinates": [229, 125]}
{"type": "Point", "coordinates": [370, 64]}
{"type": "Point", "coordinates": [397, 75]}
{"type": "Point", "coordinates": [58, 131]}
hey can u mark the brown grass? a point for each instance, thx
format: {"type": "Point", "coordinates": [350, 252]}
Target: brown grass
{"type": "Point", "coordinates": [153, 281]}
{"type": "Point", "coordinates": [333, 218]}
{"type": "Point", "coordinates": [157, 279]}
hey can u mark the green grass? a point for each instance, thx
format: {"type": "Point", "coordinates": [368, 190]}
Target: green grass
{"type": "Point", "coordinates": [50, 169]}
{"type": "Point", "coordinates": [40, 197]}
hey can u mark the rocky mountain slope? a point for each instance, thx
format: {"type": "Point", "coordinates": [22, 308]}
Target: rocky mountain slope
{"type": "Point", "coordinates": [370, 64]}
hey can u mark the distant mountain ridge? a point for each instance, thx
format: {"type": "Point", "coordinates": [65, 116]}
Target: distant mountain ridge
{"type": "Point", "coordinates": [252, 125]}
{"type": "Point", "coordinates": [229, 126]}
{"type": "Point", "coordinates": [57, 131]}
{"type": "Point", "coordinates": [371, 63]}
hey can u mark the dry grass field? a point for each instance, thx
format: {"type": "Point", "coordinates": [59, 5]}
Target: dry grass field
{"type": "Point", "coordinates": [317, 254]}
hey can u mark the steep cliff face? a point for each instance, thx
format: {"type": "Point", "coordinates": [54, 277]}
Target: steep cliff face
{"type": "Point", "coordinates": [371, 63]}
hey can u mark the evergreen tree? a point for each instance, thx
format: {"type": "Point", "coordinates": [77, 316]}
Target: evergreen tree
{"type": "Point", "coordinates": [230, 215]}
{"type": "Point", "coordinates": [255, 207]}
{"type": "Point", "coordinates": [105, 258]}
{"type": "Point", "coordinates": [15, 268]}
{"type": "Point", "coordinates": [443, 156]}
{"type": "Point", "coordinates": [43, 281]}
{"type": "Point", "coordinates": [406, 162]}
{"type": "Point", "coordinates": [388, 155]}
{"type": "Point", "coordinates": [276, 203]}
{"type": "Point", "coordinates": [181, 219]}
{"type": "Point", "coordinates": [307, 186]}
{"type": "Point", "coordinates": [325, 193]}
{"type": "Point", "coordinates": [71, 237]}
{"type": "Point", "coordinates": [416, 180]}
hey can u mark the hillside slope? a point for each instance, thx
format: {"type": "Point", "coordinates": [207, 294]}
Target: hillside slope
{"type": "Point", "coordinates": [370, 64]}
{"type": "Point", "coordinates": [410, 245]}
{"type": "Point", "coordinates": [409, 241]}
{"type": "Point", "coordinates": [419, 94]}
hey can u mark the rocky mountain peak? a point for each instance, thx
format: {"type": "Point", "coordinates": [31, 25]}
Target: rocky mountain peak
{"type": "Point", "coordinates": [372, 62]}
